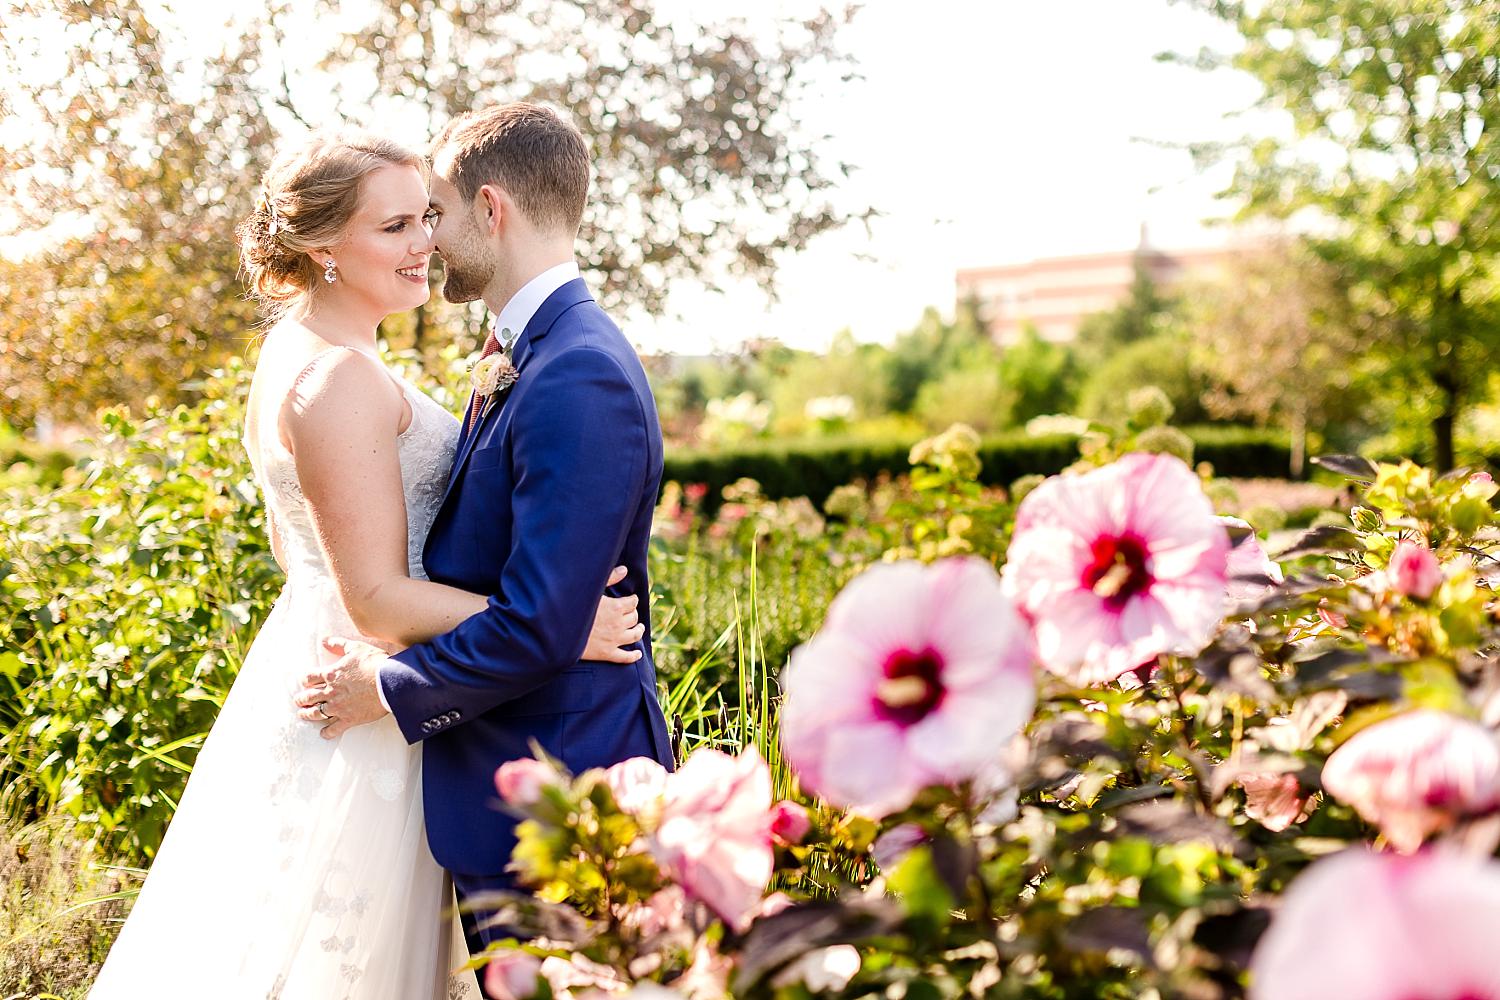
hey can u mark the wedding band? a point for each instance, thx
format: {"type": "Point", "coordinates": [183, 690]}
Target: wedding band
{"type": "Point", "coordinates": [323, 710]}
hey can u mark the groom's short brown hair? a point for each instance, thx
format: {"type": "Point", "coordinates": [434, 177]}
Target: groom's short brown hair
{"type": "Point", "coordinates": [527, 149]}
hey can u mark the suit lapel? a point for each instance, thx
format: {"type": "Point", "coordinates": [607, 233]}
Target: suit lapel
{"type": "Point", "coordinates": [559, 302]}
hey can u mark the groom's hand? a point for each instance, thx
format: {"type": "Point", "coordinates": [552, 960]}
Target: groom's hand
{"type": "Point", "coordinates": [346, 694]}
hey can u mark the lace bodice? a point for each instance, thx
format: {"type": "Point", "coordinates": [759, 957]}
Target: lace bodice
{"type": "Point", "coordinates": [425, 450]}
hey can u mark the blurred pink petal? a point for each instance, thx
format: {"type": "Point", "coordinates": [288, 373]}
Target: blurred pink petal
{"type": "Point", "coordinates": [1275, 801]}
{"type": "Point", "coordinates": [920, 676]}
{"type": "Point", "coordinates": [715, 833]}
{"type": "Point", "coordinates": [1247, 560]}
{"type": "Point", "coordinates": [826, 970]}
{"type": "Point", "coordinates": [577, 972]}
{"type": "Point", "coordinates": [707, 977]}
{"type": "Point", "coordinates": [1373, 926]}
{"type": "Point", "coordinates": [637, 784]}
{"type": "Point", "coordinates": [1416, 774]}
{"type": "Point", "coordinates": [774, 904]}
{"type": "Point", "coordinates": [512, 975]}
{"type": "Point", "coordinates": [665, 911]}
{"type": "Point", "coordinates": [892, 845]}
{"type": "Point", "coordinates": [1118, 565]}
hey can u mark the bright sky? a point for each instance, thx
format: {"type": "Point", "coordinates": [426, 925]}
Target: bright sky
{"type": "Point", "coordinates": [989, 132]}
{"type": "Point", "coordinates": [985, 131]}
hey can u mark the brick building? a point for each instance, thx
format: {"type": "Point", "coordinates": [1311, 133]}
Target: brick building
{"type": "Point", "coordinates": [1055, 293]}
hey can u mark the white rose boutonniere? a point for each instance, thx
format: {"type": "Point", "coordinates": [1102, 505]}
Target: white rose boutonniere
{"type": "Point", "coordinates": [492, 374]}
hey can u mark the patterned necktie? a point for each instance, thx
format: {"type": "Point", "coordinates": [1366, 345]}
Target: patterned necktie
{"type": "Point", "coordinates": [491, 345]}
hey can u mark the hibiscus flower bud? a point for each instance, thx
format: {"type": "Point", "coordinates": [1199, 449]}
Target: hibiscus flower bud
{"type": "Point", "coordinates": [637, 784]}
{"type": "Point", "coordinates": [1414, 571]}
{"type": "Point", "coordinates": [520, 782]}
{"type": "Point", "coordinates": [1275, 801]}
{"type": "Point", "coordinates": [789, 822]}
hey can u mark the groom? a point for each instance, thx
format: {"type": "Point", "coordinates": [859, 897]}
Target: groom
{"type": "Point", "coordinates": [553, 484]}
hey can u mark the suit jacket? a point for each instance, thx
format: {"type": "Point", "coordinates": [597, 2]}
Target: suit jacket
{"type": "Point", "coordinates": [552, 488]}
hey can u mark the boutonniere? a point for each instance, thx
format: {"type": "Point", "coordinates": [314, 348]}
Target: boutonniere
{"type": "Point", "coordinates": [492, 374]}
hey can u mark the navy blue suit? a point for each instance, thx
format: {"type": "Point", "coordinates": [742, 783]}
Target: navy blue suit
{"type": "Point", "coordinates": [554, 486]}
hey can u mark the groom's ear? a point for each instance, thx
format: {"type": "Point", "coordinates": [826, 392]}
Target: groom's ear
{"type": "Point", "coordinates": [493, 204]}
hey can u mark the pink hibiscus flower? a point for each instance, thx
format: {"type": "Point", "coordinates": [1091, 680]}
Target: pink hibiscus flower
{"type": "Point", "coordinates": [920, 676]}
{"type": "Point", "coordinates": [1118, 565]}
{"type": "Point", "coordinates": [1416, 773]}
{"type": "Point", "coordinates": [715, 833]}
{"type": "Point", "coordinates": [1384, 927]}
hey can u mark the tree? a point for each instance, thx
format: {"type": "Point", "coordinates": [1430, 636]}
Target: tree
{"type": "Point", "coordinates": [929, 350]}
{"type": "Point", "coordinates": [145, 296]}
{"type": "Point", "coordinates": [1140, 315]}
{"type": "Point", "coordinates": [1164, 360]}
{"type": "Point", "coordinates": [1042, 376]}
{"type": "Point", "coordinates": [1282, 341]}
{"type": "Point", "coordinates": [146, 150]}
{"type": "Point", "coordinates": [700, 167]}
{"type": "Point", "coordinates": [1395, 109]}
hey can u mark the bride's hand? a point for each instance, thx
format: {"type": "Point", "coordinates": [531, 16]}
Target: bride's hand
{"type": "Point", "coordinates": [617, 623]}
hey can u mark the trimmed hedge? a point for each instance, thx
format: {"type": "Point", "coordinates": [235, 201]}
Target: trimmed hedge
{"type": "Point", "coordinates": [814, 468]}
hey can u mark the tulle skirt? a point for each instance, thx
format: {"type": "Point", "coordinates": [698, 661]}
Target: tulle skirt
{"type": "Point", "coordinates": [295, 868]}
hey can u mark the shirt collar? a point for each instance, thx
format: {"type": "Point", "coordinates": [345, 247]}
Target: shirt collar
{"type": "Point", "coordinates": [523, 305]}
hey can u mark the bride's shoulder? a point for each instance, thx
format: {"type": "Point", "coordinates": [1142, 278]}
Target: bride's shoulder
{"type": "Point", "coordinates": [331, 383]}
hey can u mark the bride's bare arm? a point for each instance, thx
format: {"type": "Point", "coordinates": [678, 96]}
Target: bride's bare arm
{"type": "Point", "coordinates": [342, 421]}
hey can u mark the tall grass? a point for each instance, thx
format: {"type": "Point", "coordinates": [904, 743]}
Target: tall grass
{"type": "Point", "coordinates": [60, 908]}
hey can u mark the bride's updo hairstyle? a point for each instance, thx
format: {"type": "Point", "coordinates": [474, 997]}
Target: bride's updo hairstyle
{"type": "Point", "coordinates": [305, 204]}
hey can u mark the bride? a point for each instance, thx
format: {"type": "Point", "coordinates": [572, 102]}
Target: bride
{"type": "Point", "coordinates": [296, 866]}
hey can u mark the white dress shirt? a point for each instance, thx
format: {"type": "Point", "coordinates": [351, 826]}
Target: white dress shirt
{"type": "Point", "coordinates": [523, 305]}
{"type": "Point", "coordinates": [508, 328]}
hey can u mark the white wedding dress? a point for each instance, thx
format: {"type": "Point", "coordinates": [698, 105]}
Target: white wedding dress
{"type": "Point", "coordinates": [297, 868]}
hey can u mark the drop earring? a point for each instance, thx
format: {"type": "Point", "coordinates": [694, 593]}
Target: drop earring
{"type": "Point", "coordinates": [330, 272]}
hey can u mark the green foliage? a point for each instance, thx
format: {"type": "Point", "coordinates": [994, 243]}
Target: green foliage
{"type": "Point", "coordinates": [24, 464]}
{"type": "Point", "coordinates": [932, 348]}
{"type": "Point", "coordinates": [1144, 313]}
{"type": "Point", "coordinates": [127, 602]}
{"type": "Point", "coordinates": [1042, 377]}
{"type": "Point", "coordinates": [975, 395]}
{"type": "Point", "coordinates": [1393, 106]}
{"type": "Point", "coordinates": [816, 468]}
{"type": "Point", "coordinates": [1283, 344]}
{"type": "Point", "coordinates": [848, 369]}
{"type": "Point", "coordinates": [945, 512]}
{"type": "Point", "coordinates": [145, 295]}
{"type": "Point", "coordinates": [1164, 360]}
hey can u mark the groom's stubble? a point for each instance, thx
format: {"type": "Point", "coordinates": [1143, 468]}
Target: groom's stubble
{"type": "Point", "coordinates": [468, 265]}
